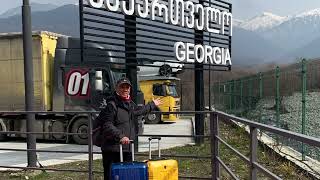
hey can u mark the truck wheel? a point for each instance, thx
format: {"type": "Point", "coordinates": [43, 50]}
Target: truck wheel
{"type": "Point", "coordinates": [80, 126]}
{"type": "Point", "coordinates": [153, 118]}
{"type": "Point", "coordinates": [2, 136]}
{"type": "Point", "coordinates": [165, 70]}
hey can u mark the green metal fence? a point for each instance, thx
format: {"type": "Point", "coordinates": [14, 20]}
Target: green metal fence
{"type": "Point", "coordinates": [287, 97]}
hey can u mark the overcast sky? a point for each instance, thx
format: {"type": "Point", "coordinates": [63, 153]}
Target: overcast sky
{"type": "Point", "coordinates": [242, 9]}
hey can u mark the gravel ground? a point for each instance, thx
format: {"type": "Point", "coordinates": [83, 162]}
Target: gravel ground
{"type": "Point", "coordinates": [291, 116]}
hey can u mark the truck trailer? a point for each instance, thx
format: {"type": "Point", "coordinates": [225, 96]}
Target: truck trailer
{"type": "Point", "coordinates": [62, 82]}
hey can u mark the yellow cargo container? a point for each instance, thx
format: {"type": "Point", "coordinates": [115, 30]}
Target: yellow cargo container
{"type": "Point", "coordinates": [11, 71]}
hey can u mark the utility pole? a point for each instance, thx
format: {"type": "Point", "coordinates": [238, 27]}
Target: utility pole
{"type": "Point", "coordinates": [28, 81]}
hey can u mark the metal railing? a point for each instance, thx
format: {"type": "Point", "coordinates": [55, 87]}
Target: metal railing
{"type": "Point", "coordinates": [285, 96]}
{"type": "Point", "coordinates": [90, 151]}
{"type": "Point", "coordinates": [90, 145]}
{"type": "Point", "coordinates": [216, 140]}
{"type": "Point", "coordinates": [252, 160]}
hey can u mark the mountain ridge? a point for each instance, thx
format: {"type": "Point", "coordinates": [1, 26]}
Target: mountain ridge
{"type": "Point", "coordinates": [63, 20]}
{"type": "Point", "coordinates": [35, 7]}
{"type": "Point", "coordinates": [297, 34]}
{"type": "Point", "coordinates": [262, 22]}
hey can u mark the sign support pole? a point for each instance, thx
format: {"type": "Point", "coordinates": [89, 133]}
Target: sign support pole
{"type": "Point", "coordinates": [131, 58]}
{"type": "Point", "coordinates": [199, 90]}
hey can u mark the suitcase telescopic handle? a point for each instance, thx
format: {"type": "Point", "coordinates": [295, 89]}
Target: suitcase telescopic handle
{"type": "Point", "coordinates": [159, 151]}
{"type": "Point", "coordinates": [132, 151]}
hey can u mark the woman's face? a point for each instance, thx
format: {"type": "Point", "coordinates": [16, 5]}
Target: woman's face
{"type": "Point", "coordinates": [124, 90]}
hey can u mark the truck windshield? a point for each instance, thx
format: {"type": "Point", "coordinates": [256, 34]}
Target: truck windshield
{"type": "Point", "coordinates": [172, 91]}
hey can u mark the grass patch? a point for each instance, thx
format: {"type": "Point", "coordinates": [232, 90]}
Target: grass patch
{"type": "Point", "coordinates": [233, 135]}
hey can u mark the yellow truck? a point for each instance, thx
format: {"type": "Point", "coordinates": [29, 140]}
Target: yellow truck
{"type": "Point", "coordinates": [164, 88]}
{"type": "Point", "coordinates": [62, 82]}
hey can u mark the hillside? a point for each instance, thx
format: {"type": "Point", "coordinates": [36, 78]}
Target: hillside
{"type": "Point", "coordinates": [63, 20]}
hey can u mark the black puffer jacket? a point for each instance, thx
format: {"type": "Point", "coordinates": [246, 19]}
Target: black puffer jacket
{"type": "Point", "coordinates": [120, 122]}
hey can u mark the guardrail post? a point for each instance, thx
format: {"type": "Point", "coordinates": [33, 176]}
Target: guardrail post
{"type": "Point", "coordinates": [260, 93]}
{"type": "Point", "coordinates": [241, 96]}
{"type": "Point", "coordinates": [250, 92]}
{"type": "Point", "coordinates": [214, 131]}
{"type": "Point", "coordinates": [234, 95]}
{"type": "Point", "coordinates": [210, 105]}
{"type": "Point", "coordinates": [277, 96]}
{"type": "Point", "coordinates": [181, 95]}
{"type": "Point", "coordinates": [219, 98]}
{"type": "Point", "coordinates": [253, 152]}
{"type": "Point", "coordinates": [90, 146]}
{"type": "Point", "coordinates": [303, 101]}
{"type": "Point", "coordinates": [277, 100]}
{"type": "Point", "coordinates": [230, 96]}
{"type": "Point", "coordinates": [260, 85]}
{"type": "Point", "coordinates": [224, 97]}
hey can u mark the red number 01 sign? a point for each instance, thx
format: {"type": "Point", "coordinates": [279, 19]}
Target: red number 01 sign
{"type": "Point", "coordinates": [77, 83]}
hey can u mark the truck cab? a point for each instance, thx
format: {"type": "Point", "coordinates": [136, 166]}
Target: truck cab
{"type": "Point", "coordinates": [164, 88]}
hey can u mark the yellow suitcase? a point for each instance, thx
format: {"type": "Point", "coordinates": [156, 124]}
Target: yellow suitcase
{"type": "Point", "coordinates": [161, 169]}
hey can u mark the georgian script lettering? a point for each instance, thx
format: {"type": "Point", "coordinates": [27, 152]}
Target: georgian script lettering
{"type": "Point", "coordinates": [177, 12]}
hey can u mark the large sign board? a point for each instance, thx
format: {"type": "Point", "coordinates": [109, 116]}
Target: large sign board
{"type": "Point", "coordinates": [164, 30]}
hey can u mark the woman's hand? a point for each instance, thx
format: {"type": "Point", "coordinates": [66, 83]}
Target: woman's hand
{"type": "Point", "coordinates": [157, 101]}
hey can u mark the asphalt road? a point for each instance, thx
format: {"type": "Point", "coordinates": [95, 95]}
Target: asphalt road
{"type": "Point", "coordinates": [19, 159]}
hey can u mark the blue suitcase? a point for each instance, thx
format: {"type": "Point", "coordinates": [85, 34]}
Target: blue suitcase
{"type": "Point", "coordinates": [129, 170]}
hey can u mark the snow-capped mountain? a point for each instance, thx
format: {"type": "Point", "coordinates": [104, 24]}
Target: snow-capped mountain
{"type": "Point", "coordinates": [297, 31]}
{"type": "Point", "coordinates": [314, 12]}
{"type": "Point", "coordinates": [237, 22]}
{"type": "Point", "coordinates": [262, 22]}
